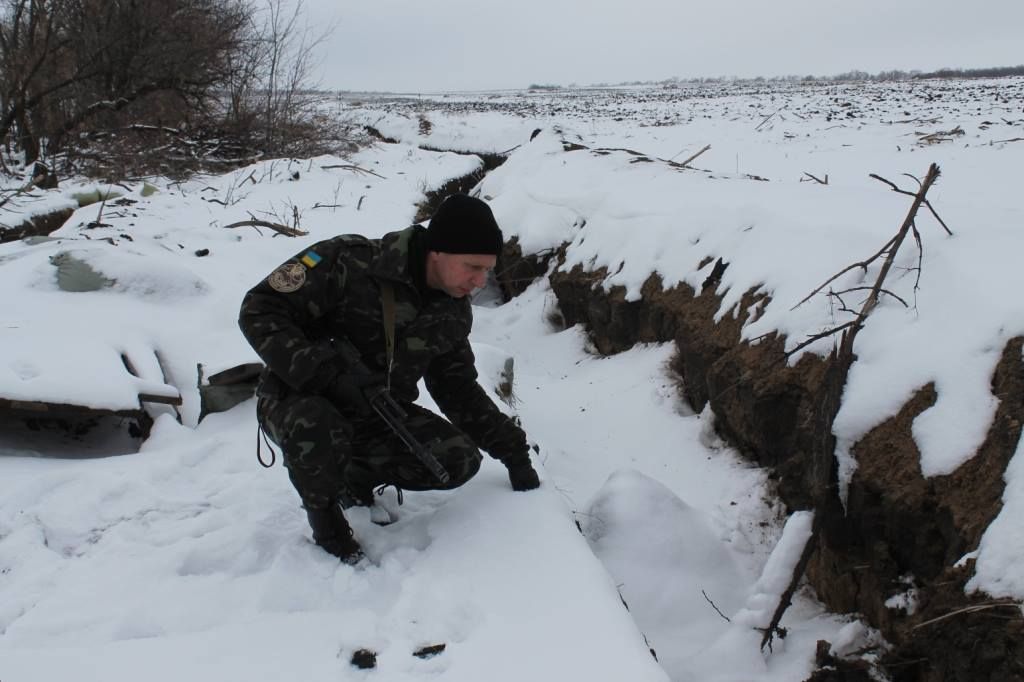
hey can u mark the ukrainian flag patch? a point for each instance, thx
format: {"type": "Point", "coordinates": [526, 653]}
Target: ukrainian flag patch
{"type": "Point", "coordinates": [311, 259]}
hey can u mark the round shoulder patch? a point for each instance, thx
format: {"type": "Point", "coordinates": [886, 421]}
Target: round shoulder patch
{"type": "Point", "coordinates": [287, 278]}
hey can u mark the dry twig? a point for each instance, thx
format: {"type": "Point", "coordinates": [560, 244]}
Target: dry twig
{"type": "Point", "coordinates": [769, 117]}
{"type": "Point", "coordinates": [353, 168]}
{"type": "Point", "coordinates": [276, 227]}
{"type": "Point", "coordinates": [940, 136]}
{"type": "Point", "coordinates": [768, 634]}
{"type": "Point", "coordinates": [914, 194]}
{"type": "Point", "coordinates": [717, 610]}
{"type": "Point", "coordinates": [974, 608]}
{"type": "Point", "coordinates": [889, 250]}
{"type": "Point", "coordinates": [686, 163]}
{"type": "Point", "coordinates": [19, 191]}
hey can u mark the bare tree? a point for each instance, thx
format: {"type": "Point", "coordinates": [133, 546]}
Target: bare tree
{"type": "Point", "coordinates": [72, 65]}
{"type": "Point", "coordinates": [271, 83]}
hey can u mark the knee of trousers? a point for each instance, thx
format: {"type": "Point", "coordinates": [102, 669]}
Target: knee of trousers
{"type": "Point", "coordinates": [308, 428]}
{"type": "Point", "coordinates": [462, 463]}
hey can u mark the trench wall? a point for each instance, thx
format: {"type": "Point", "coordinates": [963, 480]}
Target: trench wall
{"type": "Point", "coordinates": [898, 531]}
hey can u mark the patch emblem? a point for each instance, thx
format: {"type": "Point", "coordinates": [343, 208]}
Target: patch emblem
{"type": "Point", "coordinates": [287, 278]}
{"type": "Point", "coordinates": [311, 259]}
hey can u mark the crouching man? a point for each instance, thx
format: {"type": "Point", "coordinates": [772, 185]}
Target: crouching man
{"type": "Point", "coordinates": [351, 317]}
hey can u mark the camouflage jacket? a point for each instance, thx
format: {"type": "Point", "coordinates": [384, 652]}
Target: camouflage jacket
{"type": "Point", "coordinates": [331, 291]}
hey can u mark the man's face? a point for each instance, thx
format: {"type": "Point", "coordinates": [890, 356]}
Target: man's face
{"type": "Point", "coordinates": [458, 274]}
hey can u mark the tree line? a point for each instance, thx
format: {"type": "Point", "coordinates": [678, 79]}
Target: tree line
{"type": "Point", "coordinates": [230, 69]}
{"type": "Point", "coordinates": [854, 75]}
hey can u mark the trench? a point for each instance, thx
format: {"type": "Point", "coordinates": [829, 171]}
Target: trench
{"type": "Point", "coordinates": [896, 523]}
{"type": "Point", "coordinates": [36, 226]}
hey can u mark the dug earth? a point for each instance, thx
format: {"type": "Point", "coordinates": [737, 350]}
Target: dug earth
{"type": "Point", "coordinates": [896, 523]}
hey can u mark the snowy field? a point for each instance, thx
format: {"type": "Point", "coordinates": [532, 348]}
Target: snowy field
{"type": "Point", "coordinates": [189, 561]}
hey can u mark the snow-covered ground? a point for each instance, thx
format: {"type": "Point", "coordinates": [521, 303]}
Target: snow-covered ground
{"type": "Point", "coordinates": [189, 561]}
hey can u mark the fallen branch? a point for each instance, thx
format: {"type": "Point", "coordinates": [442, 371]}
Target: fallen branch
{"type": "Point", "coordinates": [276, 227]}
{"type": "Point", "coordinates": [353, 168]}
{"type": "Point", "coordinates": [1016, 139]}
{"type": "Point", "coordinates": [686, 163]}
{"type": "Point", "coordinates": [816, 179]}
{"type": "Point", "coordinates": [768, 634]}
{"type": "Point", "coordinates": [921, 121]}
{"type": "Point", "coordinates": [940, 136]}
{"type": "Point", "coordinates": [769, 117]}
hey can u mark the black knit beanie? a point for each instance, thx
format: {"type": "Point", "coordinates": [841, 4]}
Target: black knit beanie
{"type": "Point", "coordinates": [464, 224]}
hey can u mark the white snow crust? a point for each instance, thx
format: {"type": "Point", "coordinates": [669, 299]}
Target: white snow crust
{"type": "Point", "coordinates": [188, 561]}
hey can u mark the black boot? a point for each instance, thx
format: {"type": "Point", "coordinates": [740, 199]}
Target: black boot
{"type": "Point", "coordinates": [332, 532]}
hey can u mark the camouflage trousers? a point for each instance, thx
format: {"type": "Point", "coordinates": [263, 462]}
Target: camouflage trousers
{"type": "Point", "coordinates": [327, 452]}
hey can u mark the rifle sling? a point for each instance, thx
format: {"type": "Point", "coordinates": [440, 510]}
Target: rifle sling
{"type": "Point", "coordinates": [387, 302]}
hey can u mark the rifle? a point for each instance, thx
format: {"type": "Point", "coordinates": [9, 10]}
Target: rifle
{"type": "Point", "coordinates": [391, 412]}
{"type": "Point", "coordinates": [393, 415]}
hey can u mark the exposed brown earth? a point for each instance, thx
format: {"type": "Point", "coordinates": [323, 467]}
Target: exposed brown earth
{"type": "Point", "coordinates": [899, 529]}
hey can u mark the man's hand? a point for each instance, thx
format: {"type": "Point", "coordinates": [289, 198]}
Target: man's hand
{"type": "Point", "coordinates": [522, 475]}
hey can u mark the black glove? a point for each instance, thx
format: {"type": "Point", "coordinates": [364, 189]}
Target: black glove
{"type": "Point", "coordinates": [354, 391]}
{"type": "Point", "coordinates": [522, 475]}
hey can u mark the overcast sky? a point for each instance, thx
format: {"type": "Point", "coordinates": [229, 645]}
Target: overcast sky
{"type": "Point", "coordinates": [411, 46]}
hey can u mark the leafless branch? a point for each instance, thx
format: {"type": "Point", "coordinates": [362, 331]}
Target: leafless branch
{"type": "Point", "coordinates": [18, 192]}
{"type": "Point", "coordinates": [915, 179]}
{"type": "Point", "coordinates": [890, 183]}
{"type": "Point", "coordinates": [787, 597]}
{"type": "Point", "coordinates": [862, 264]}
{"type": "Point", "coordinates": [686, 163]}
{"type": "Point", "coordinates": [914, 194]}
{"type": "Point", "coordinates": [843, 308]}
{"type": "Point", "coordinates": [821, 335]}
{"type": "Point", "coordinates": [881, 291]}
{"type": "Point", "coordinates": [845, 350]}
{"type": "Point", "coordinates": [353, 168]}
{"type": "Point", "coordinates": [816, 179]}
{"type": "Point", "coordinates": [920, 261]}
{"type": "Point", "coordinates": [769, 117]}
{"type": "Point", "coordinates": [971, 609]}
{"type": "Point", "coordinates": [941, 221]}
{"type": "Point", "coordinates": [940, 136]}
{"type": "Point", "coordinates": [276, 227]}
{"type": "Point", "coordinates": [717, 610]}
